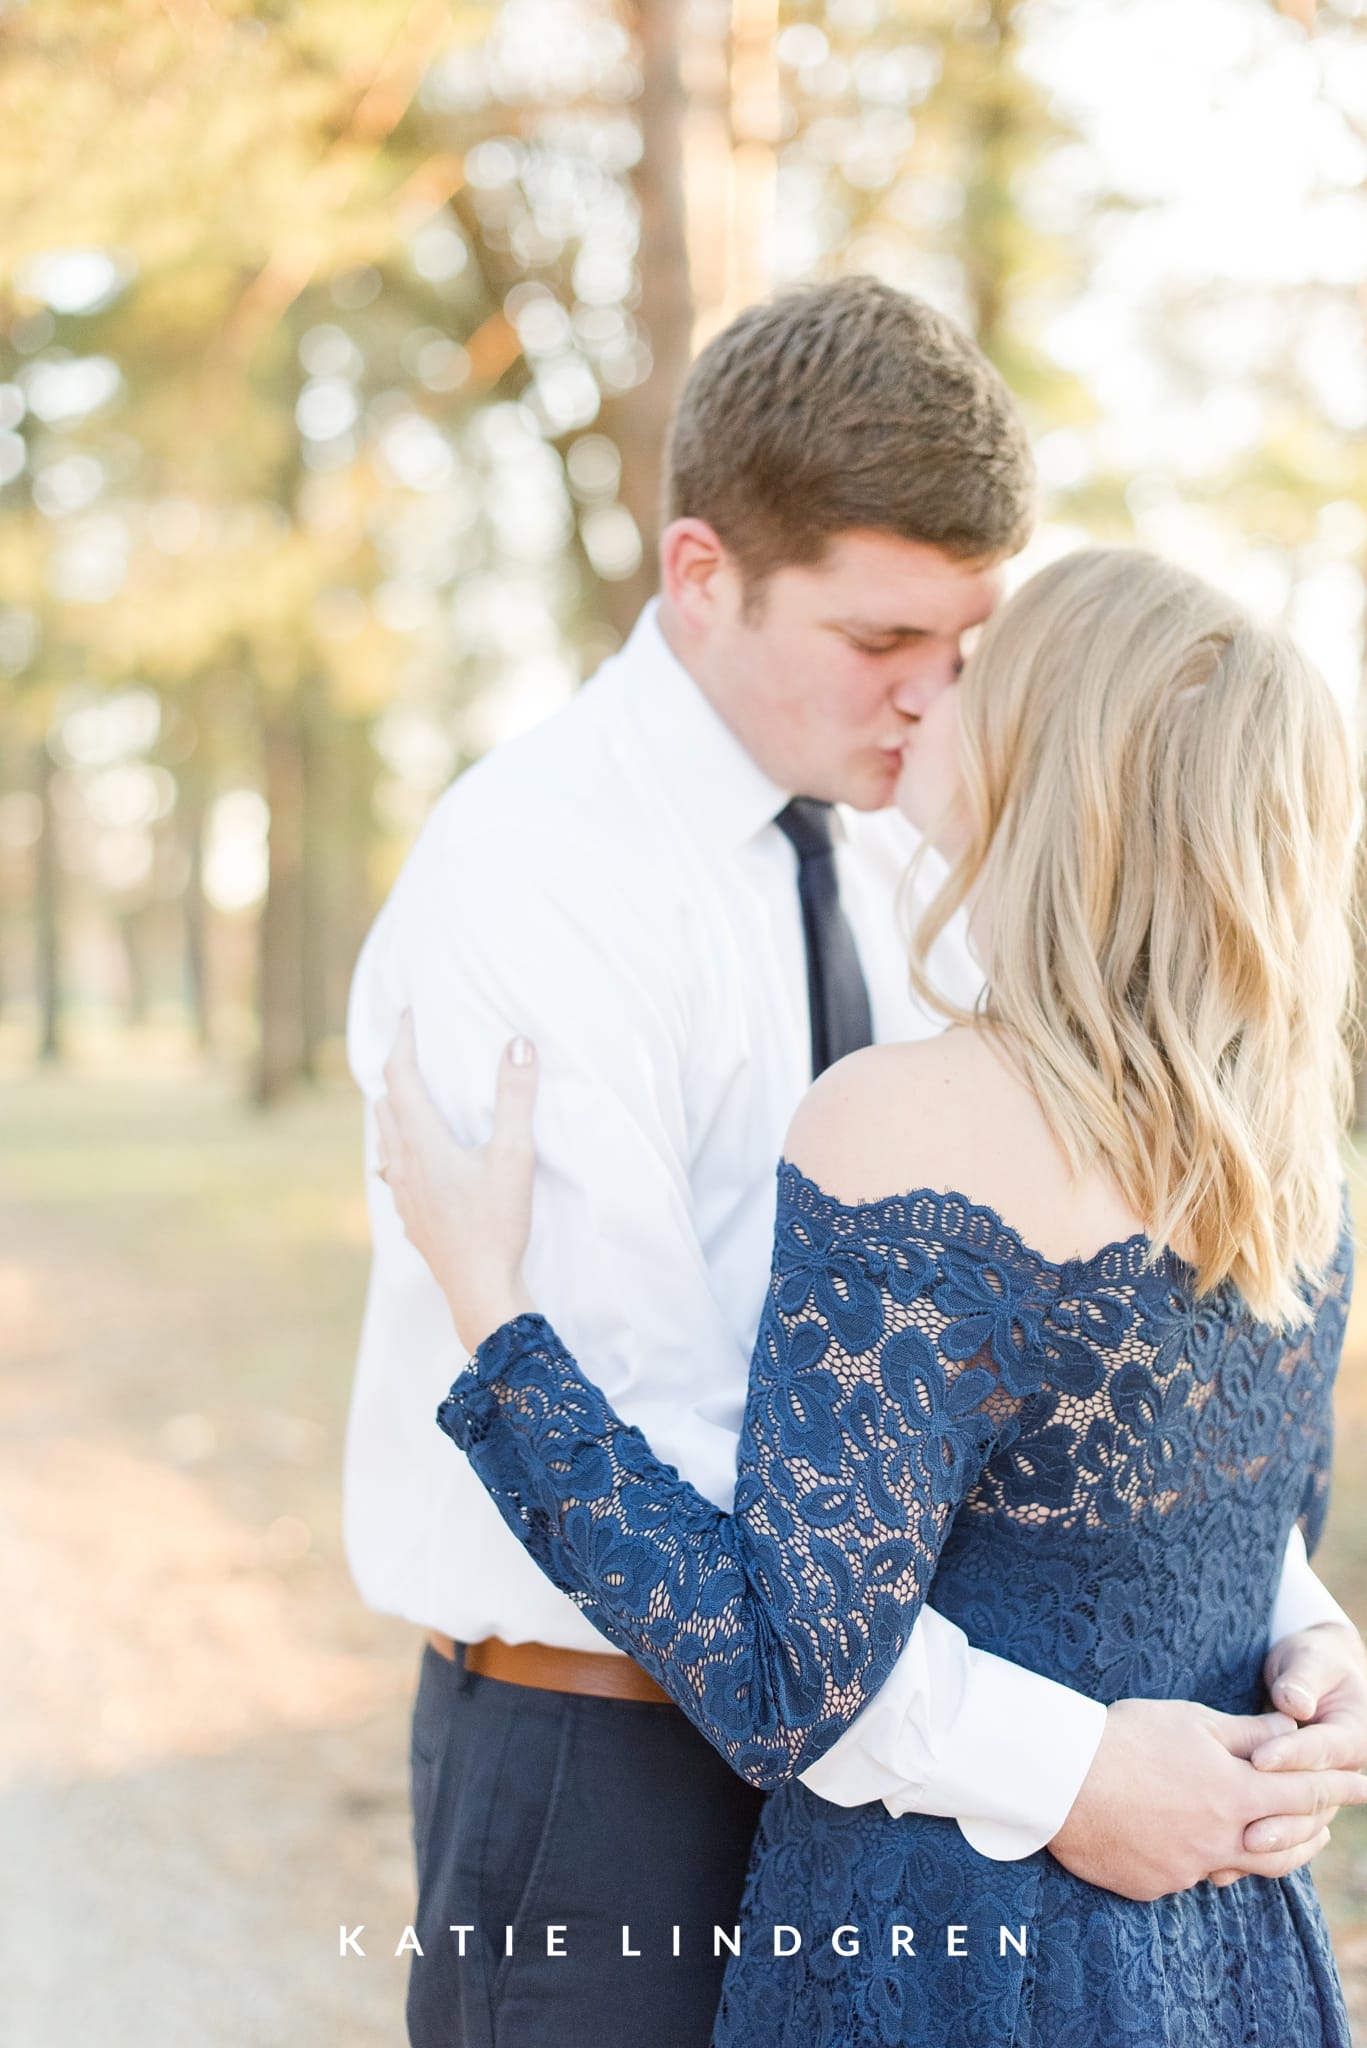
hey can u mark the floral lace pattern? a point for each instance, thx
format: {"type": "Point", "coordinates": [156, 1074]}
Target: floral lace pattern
{"type": "Point", "coordinates": [1098, 1471]}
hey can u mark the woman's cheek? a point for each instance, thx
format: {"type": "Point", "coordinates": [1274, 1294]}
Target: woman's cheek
{"type": "Point", "coordinates": [929, 790]}
{"type": "Point", "coordinates": [908, 795]}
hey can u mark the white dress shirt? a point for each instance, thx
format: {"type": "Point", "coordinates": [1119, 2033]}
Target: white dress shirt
{"type": "Point", "coordinates": [612, 884]}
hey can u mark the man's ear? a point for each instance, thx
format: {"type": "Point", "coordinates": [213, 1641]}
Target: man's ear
{"type": "Point", "coordinates": [697, 573]}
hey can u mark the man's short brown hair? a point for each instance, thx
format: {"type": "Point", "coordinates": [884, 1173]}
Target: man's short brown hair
{"type": "Point", "coordinates": [841, 407]}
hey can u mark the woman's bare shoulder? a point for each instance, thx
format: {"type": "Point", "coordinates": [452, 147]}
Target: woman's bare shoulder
{"type": "Point", "coordinates": [952, 1114]}
{"type": "Point", "coordinates": [891, 1118]}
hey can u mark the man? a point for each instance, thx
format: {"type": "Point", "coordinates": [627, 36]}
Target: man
{"type": "Point", "coordinates": [654, 886]}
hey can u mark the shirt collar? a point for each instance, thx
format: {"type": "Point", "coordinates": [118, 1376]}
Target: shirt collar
{"type": "Point", "coordinates": [727, 795]}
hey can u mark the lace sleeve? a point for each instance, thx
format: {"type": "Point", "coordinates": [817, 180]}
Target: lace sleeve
{"type": "Point", "coordinates": [875, 1398]}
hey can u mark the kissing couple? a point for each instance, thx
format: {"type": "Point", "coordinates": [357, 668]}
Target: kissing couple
{"type": "Point", "coordinates": [915, 1538]}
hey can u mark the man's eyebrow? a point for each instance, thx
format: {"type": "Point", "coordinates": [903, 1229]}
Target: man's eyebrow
{"type": "Point", "coordinates": [875, 630]}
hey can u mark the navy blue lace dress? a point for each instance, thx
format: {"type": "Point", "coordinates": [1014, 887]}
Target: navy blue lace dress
{"type": "Point", "coordinates": [1098, 1472]}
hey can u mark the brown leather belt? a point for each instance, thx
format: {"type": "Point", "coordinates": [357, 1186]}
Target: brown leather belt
{"type": "Point", "coordinates": [547, 1670]}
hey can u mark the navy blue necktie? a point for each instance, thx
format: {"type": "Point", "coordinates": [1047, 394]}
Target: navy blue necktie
{"type": "Point", "coordinates": [837, 994]}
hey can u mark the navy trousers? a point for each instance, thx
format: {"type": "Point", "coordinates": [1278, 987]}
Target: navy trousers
{"type": "Point", "coordinates": [567, 1820]}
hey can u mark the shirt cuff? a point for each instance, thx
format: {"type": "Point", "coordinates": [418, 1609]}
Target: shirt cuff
{"type": "Point", "coordinates": [1014, 1758]}
{"type": "Point", "coordinates": [1301, 1602]}
{"type": "Point", "coordinates": [961, 1734]}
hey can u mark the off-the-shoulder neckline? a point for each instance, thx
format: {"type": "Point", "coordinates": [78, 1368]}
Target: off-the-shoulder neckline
{"type": "Point", "coordinates": [890, 1212]}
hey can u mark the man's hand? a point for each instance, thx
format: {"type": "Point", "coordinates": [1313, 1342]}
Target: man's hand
{"type": "Point", "coordinates": [1171, 1797]}
{"type": "Point", "coordinates": [1318, 1676]}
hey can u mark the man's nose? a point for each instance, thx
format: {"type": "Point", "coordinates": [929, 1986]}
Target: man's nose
{"type": "Point", "coordinates": [926, 679]}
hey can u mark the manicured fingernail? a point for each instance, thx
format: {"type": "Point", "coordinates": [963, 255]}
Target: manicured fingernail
{"type": "Point", "coordinates": [1271, 1757]}
{"type": "Point", "coordinates": [1296, 1699]}
{"type": "Point", "coordinates": [521, 1052]}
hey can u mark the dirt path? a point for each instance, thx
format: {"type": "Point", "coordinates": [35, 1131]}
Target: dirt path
{"type": "Point", "coordinates": [203, 1738]}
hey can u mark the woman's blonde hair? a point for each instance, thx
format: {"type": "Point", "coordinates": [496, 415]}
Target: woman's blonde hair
{"type": "Point", "coordinates": [1161, 807]}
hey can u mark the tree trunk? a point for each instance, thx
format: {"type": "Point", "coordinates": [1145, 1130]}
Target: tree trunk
{"type": "Point", "coordinates": [1360, 932]}
{"type": "Point", "coordinates": [356, 900]}
{"type": "Point", "coordinates": [314, 919]}
{"type": "Point", "coordinates": [280, 1042]}
{"type": "Point", "coordinates": [988, 202]}
{"type": "Point", "coordinates": [195, 914]}
{"type": "Point", "coordinates": [638, 421]}
{"type": "Point", "coordinates": [135, 968]}
{"type": "Point", "coordinates": [754, 123]}
{"type": "Point", "coordinates": [47, 916]}
{"type": "Point", "coordinates": [5, 897]}
{"type": "Point", "coordinates": [1360, 1068]}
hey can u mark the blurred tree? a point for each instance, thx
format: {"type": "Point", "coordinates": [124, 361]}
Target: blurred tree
{"type": "Point", "coordinates": [1328, 456]}
{"type": "Point", "coordinates": [336, 351]}
{"type": "Point", "coordinates": [47, 913]}
{"type": "Point", "coordinates": [916, 139]}
{"type": "Point", "coordinates": [300, 387]}
{"type": "Point", "coordinates": [139, 279]}
{"type": "Point", "coordinates": [636, 420]}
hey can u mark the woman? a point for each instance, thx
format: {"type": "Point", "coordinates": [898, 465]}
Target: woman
{"type": "Point", "coordinates": [1055, 1307]}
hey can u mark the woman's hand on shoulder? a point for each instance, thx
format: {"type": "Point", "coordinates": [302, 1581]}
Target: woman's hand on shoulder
{"type": "Point", "coordinates": [466, 1208]}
